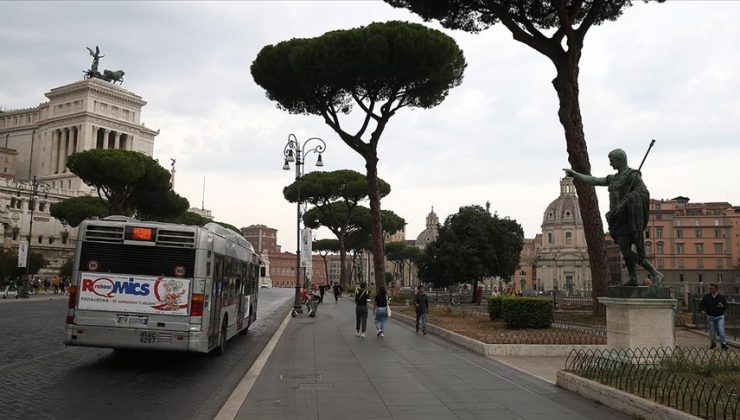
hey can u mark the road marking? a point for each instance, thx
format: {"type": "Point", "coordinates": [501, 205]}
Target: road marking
{"type": "Point", "coordinates": [231, 408]}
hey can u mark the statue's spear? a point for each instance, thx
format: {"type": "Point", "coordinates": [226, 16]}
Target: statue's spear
{"type": "Point", "coordinates": [646, 154]}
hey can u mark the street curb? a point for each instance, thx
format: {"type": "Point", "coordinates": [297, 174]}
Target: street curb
{"type": "Point", "coordinates": [524, 350]}
{"type": "Point", "coordinates": [231, 407]}
{"type": "Point", "coordinates": [44, 298]}
{"type": "Point", "coordinates": [625, 402]}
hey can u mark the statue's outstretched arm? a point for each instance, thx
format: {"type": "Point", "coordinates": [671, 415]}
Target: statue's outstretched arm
{"type": "Point", "coordinates": [586, 179]}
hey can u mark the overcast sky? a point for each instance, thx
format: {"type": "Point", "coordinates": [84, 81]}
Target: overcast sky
{"type": "Point", "coordinates": [664, 71]}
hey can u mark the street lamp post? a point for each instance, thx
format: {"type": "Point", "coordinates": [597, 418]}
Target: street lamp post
{"type": "Point", "coordinates": [33, 188]}
{"type": "Point", "coordinates": [296, 152]}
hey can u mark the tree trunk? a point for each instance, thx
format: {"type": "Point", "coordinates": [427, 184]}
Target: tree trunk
{"type": "Point", "coordinates": [326, 265]}
{"type": "Point", "coordinates": [569, 112]}
{"type": "Point", "coordinates": [371, 164]}
{"type": "Point", "coordinates": [342, 259]}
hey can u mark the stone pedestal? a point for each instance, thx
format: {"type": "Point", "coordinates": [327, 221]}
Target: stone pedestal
{"type": "Point", "coordinates": [639, 322]}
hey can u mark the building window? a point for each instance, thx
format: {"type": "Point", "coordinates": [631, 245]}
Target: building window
{"type": "Point", "coordinates": [678, 222]}
{"type": "Point", "coordinates": [568, 238]}
{"type": "Point", "coordinates": [719, 278]}
{"type": "Point", "coordinates": [699, 248]}
{"type": "Point", "coordinates": [720, 263]}
{"type": "Point", "coordinates": [18, 204]}
{"type": "Point", "coordinates": [717, 248]}
{"type": "Point", "coordinates": [661, 263]}
{"type": "Point", "coordinates": [679, 248]}
{"type": "Point", "coordinates": [680, 263]}
{"type": "Point", "coordinates": [42, 206]}
{"type": "Point", "coordinates": [15, 234]}
{"type": "Point", "coordinates": [698, 232]}
{"type": "Point", "coordinates": [680, 278]}
{"type": "Point", "coordinates": [716, 222]}
{"type": "Point", "coordinates": [659, 248]}
{"type": "Point", "coordinates": [647, 233]}
{"type": "Point", "coordinates": [717, 233]}
{"type": "Point", "coordinates": [51, 240]}
{"type": "Point", "coordinates": [65, 237]}
{"type": "Point", "coordinates": [41, 238]}
{"type": "Point", "coordinates": [697, 222]}
{"type": "Point", "coordinates": [679, 233]}
{"type": "Point", "coordinates": [659, 232]}
{"type": "Point", "coordinates": [549, 238]}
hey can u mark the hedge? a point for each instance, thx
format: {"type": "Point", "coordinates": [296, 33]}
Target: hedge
{"type": "Point", "coordinates": [494, 307]}
{"type": "Point", "coordinates": [527, 312]}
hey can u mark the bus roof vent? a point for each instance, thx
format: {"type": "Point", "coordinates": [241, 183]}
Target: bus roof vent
{"type": "Point", "coordinates": [119, 218]}
{"type": "Point", "coordinates": [176, 238]}
{"type": "Point", "coordinates": [104, 233]}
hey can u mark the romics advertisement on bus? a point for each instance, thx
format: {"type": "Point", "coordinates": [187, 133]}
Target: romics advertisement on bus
{"type": "Point", "coordinates": [140, 294]}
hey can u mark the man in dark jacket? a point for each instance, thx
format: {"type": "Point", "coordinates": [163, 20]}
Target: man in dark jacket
{"type": "Point", "coordinates": [713, 305]}
{"type": "Point", "coordinates": [421, 304]}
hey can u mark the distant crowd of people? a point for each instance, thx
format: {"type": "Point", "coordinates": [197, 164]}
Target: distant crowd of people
{"type": "Point", "coordinates": [54, 284]}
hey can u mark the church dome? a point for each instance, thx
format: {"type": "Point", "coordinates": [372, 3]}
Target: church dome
{"type": "Point", "coordinates": [564, 209]}
{"type": "Point", "coordinates": [430, 233]}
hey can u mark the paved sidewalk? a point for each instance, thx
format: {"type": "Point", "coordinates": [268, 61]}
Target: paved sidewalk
{"type": "Point", "coordinates": [320, 370]}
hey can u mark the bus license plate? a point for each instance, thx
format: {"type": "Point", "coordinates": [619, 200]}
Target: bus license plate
{"type": "Point", "coordinates": [147, 337]}
{"type": "Point", "coordinates": [132, 320]}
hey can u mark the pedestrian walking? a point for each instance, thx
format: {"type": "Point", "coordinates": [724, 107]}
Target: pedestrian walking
{"type": "Point", "coordinates": [8, 285]}
{"type": "Point", "coordinates": [321, 293]}
{"type": "Point", "coordinates": [36, 285]}
{"type": "Point", "coordinates": [361, 298]}
{"type": "Point", "coordinates": [421, 304]}
{"type": "Point", "coordinates": [713, 305]}
{"type": "Point", "coordinates": [381, 310]}
{"type": "Point", "coordinates": [55, 284]}
{"type": "Point", "coordinates": [335, 289]}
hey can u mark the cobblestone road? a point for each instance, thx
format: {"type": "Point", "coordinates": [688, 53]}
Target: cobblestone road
{"type": "Point", "coordinates": [42, 379]}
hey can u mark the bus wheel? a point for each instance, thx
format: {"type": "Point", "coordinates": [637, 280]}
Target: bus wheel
{"type": "Point", "coordinates": [221, 348]}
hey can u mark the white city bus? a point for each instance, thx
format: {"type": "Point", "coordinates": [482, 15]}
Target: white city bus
{"type": "Point", "coordinates": [160, 286]}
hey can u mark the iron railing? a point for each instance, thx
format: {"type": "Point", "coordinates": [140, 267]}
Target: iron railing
{"type": "Point", "coordinates": [676, 377]}
{"type": "Point", "coordinates": [557, 335]}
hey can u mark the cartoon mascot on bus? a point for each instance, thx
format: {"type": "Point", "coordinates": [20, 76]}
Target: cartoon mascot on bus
{"type": "Point", "coordinates": [169, 295]}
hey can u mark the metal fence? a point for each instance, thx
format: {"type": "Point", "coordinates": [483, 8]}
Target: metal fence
{"type": "Point", "coordinates": [556, 335]}
{"type": "Point", "coordinates": [732, 315]}
{"type": "Point", "coordinates": [675, 377]}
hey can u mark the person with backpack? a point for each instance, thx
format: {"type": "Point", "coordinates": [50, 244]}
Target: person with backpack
{"type": "Point", "coordinates": [362, 296]}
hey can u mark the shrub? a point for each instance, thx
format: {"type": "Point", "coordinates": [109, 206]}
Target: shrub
{"type": "Point", "coordinates": [527, 312]}
{"type": "Point", "coordinates": [494, 307]}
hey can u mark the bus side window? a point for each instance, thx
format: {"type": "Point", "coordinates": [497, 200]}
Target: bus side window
{"type": "Point", "coordinates": [208, 268]}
